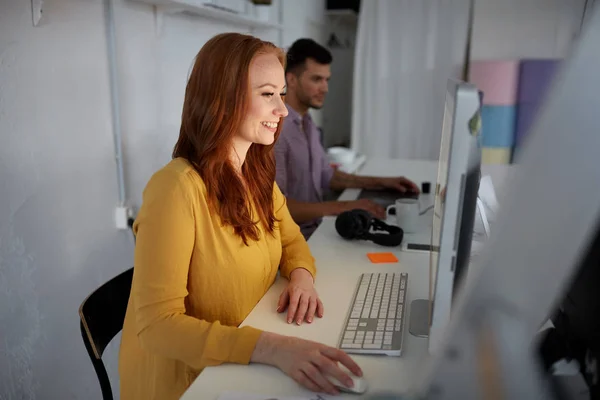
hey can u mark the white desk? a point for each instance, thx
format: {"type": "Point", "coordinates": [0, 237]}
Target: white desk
{"type": "Point", "coordinates": [339, 265]}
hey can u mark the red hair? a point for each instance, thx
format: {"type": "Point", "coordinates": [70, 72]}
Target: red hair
{"type": "Point", "coordinates": [215, 105]}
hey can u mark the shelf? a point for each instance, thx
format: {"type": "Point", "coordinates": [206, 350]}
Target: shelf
{"type": "Point", "coordinates": [202, 8]}
{"type": "Point", "coordinates": [346, 17]}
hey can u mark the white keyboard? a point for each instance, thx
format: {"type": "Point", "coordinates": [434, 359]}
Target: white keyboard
{"type": "Point", "coordinates": [375, 323]}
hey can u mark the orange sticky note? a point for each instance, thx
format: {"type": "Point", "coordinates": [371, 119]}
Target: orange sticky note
{"type": "Point", "coordinates": [378, 258]}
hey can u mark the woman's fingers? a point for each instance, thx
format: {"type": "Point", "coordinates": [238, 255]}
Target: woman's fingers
{"type": "Point", "coordinates": [331, 368]}
{"type": "Point", "coordinates": [293, 306]}
{"type": "Point", "coordinates": [283, 301]}
{"type": "Point", "coordinates": [339, 355]}
{"type": "Point", "coordinates": [312, 308]}
{"type": "Point", "coordinates": [320, 308]}
{"type": "Point", "coordinates": [302, 308]}
{"type": "Point", "coordinates": [316, 376]}
{"type": "Point", "coordinates": [304, 380]}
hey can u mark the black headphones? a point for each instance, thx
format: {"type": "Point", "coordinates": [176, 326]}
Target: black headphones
{"type": "Point", "coordinates": [357, 224]}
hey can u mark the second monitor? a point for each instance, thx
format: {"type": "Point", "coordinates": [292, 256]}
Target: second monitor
{"type": "Point", "coordinates": [376, 320]}
{"type": "Point", "coordinates": [456, 191]}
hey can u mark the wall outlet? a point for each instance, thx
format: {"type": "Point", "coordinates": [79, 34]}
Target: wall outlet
{"type": "Point", "coordinates": [121, 217]}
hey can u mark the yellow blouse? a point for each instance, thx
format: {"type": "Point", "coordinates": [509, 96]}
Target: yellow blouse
{"type": "Point", "coordinates": [194, 282]}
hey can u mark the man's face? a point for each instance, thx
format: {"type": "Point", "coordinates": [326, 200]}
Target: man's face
{"type": "Point", "coordinates": [313, 84]}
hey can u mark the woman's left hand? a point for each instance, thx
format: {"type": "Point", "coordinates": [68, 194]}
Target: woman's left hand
{"type": "Point", "coordinates": [300, 298]}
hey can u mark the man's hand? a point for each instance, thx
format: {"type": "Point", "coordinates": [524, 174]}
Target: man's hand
{"type": "Point", "coordinates": [400, 184]}
{"type": "Point", "coordinates": [300, 298]}
{"type": "Point", "coordinates": [342, 180]}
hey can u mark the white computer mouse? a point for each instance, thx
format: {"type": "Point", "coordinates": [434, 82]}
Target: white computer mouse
{"type": "Point", "coordinates": [360, 384]}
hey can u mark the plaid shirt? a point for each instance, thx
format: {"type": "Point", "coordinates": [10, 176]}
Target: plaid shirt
{"type": "Point", "coordinates": [303, 171]}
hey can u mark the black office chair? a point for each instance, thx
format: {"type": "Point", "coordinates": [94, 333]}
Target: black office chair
{"type": "Point", "coordinates": [102, 314]}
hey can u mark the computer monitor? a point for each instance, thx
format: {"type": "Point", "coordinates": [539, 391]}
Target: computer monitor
{"type": "Point", "coordinates": [455, 204]}
{"type": "Point", "coordinates": [544, 256]}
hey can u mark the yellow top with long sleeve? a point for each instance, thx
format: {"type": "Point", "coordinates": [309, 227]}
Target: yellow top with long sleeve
{"type": "Point", "coordinates": [194, 282]}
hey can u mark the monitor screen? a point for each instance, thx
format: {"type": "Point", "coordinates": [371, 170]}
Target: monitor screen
{"type": "Point", "coordinates": [467, 221]}
{"type": "Point", "coordinates": [440, 190]}
{"type": "Point", "coordinates": [455, 201]}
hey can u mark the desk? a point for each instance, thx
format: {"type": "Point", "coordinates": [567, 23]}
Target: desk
{"type": "Point", "coordinates": [339, 265]}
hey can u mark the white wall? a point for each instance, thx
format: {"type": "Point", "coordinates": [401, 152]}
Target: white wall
{"type": "Point", "coordinates": [312, 13]}
{"type": "Point", "coordinates": [513, 29]}
{"type": "Point", "coordinates": [58, 185]}
{"type": "Point", "coordinates": [502, 29]}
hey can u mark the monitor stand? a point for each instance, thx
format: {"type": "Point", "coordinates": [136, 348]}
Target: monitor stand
{"type": "Point", "coordinates": [418, 324]}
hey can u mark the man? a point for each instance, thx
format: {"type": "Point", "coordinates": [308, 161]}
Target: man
{"type": "Point", "coordinates": [303, 171]}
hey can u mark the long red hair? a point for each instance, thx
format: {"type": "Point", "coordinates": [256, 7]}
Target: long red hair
{"type": "Point", "coordinates": [216, 102]}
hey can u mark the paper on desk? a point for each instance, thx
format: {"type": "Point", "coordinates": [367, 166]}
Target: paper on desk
{"type": "Point", "coordinates": [247, 396]}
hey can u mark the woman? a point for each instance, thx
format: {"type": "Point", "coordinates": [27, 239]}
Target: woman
{"type": "Point", "coordinates": [212, 233]}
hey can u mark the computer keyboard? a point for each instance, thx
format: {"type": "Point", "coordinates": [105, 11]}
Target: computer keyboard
{"type": "Point", "coordinates": [375, 323]}
{"type": "Point", "coordinates": [385, 197]}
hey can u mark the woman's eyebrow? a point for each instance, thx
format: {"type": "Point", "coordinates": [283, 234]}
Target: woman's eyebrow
{"type": "Point", "coordinates": [269, 85]}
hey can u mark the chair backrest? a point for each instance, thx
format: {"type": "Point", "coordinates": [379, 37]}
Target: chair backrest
{"type": "Point", "coordinates": [102, 313]}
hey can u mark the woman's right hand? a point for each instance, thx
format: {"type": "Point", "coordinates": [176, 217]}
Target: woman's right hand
{"type": "Point", "coordinates": [308, 363]}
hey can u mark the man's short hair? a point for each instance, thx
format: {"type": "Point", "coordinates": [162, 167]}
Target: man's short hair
{"type": "Point", "coordinates": [301, 50]}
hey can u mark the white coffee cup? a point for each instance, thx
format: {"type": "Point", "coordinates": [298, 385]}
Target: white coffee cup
{"type": "Point", "coordinates": [407, 214]}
